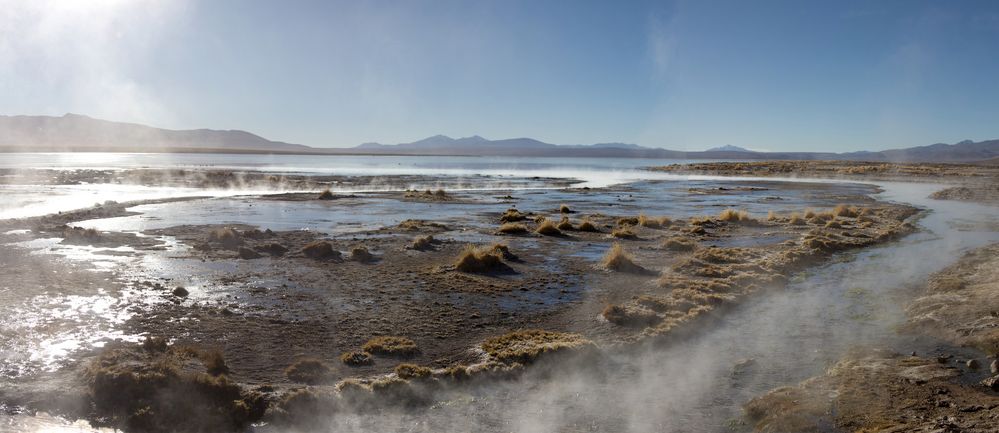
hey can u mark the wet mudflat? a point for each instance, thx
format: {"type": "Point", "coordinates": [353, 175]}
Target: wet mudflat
{"type": "Point", "coordinates": [253, 291]}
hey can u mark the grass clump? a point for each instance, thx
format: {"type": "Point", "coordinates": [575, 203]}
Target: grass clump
{"type": "Point", "coordinates": [616, 259]}
{"type": "Point", "coordinates": [480, 260]}
{"type": "Point", "coordinates": [361, 254]}
{"type": "Point", "coordinates": [587, 226]}
{"type": "Point", "coordinates": [627, 221]}
{"type": "Point", "coordinates": [512, 229]}
{"type": "Point", "coordinates": [356, 358]}
{"type": "Point", "coordinates": [273, 248]}
{"type": "Point", "coordinates": [325, 195]}
{"type": "Point", "coordinates": [565, 225]}
{"type": "Point", "coordinates": [624, 233]}
{"type": "Point", "coordinates": [834, 225]}
{"type": "Point", "coordinates": [547, 228]}
{"type": "Point", "coordinates": [503, 250]}
{"type": "Point", "coordinates": [512, 215]}
{"type": "Point", "coordinates": [423, 243]}
{"type": "Point", "coordinates": [78, 234]}
{"type": "Point", "coordinates": [842, 210]}
{"type": "Point", "coordinates": [796, 219]}
{"type": "Point", "coordinates": [412, 371]}
{"type": "Point", "coordinates": [734, 216]}
{"type": "Point", "coordinates": [630, 316]}
{"type": "Point", "coordinates": [527, 346]}
{"type": "Point", "coordinates": [564, 209]}
{"type": "Point", "coordinates": [681, 244]}
{"type": "Point", "coordinates": [320, 250]}
{"type": "Point", "coordinates": [137, 389]}
{"type": "Point", "coordinates": [228, 237]}
{"type": "Point", "coordinates": [652, 222]}
{"type": "Point", "coordinates": [391, 346]}
{"type": "Point", "coordinates": [309, 371]}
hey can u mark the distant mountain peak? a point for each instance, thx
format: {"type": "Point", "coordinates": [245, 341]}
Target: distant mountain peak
{"type": "Point", "coordinates": [728, 148]}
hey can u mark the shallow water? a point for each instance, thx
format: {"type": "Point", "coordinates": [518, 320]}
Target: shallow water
{"type": "Point", "coordinates": [690, 386]}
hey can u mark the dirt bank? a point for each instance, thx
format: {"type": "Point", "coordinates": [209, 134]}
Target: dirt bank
{"type": "Point", "coordinates": [956, 388]}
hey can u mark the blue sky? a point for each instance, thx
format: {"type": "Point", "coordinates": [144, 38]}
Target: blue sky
{"type": "Point", "coordinates": [768, 75]}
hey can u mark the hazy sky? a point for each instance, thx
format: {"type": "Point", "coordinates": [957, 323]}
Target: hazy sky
{"type": "Point", "coordinates": [769, 75]}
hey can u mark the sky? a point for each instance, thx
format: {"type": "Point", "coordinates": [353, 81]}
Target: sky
{"type": "Point", "coordinates": [686, 75]}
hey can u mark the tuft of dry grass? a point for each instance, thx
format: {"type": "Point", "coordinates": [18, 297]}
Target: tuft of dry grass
{"type": "Point", "coordinates": [326, 195]}
{"type": "Point", "coordinates": [565, 225]}
{"type": "Point", "coordinates": [423, 243]}
{"type": "Point", "coordinates": [361, 254]}
{"type": "Point", "coordinates": [309, 371]}
{"type": "Point", "coordinates": [412, 371]}
{"type": "Point", "coordinates": [273, 248]}
{"type": "Point", "coordinates": [796, 219]}
{"type": "Point", "coordinates": [834, 225]}
{"type": "Point", "coordinates": [214, 362]}
{"type": "Point", "coordinates": [842, 210]}
{"type": "Point", "coordinates": [678, 243]}
{"type": "Point", "coordinates": [357, 358]}
{"type": "Point", "coordinates": [809, 214]}
{"type": "Point", "coordinates": [527, 346]}
{"type": "Point", "coordinates": [772, 216]}
{"type": "Point", "coordinates": [652, 222]}
{"type": "Point", "coordinates": [512, 229]}
{"type": "Point", "coordinates": [391, 346]}
{"type": "Point", "coordinates": [441, 193]}
{"type": "Point", "coordinates": [77, 234]}
{"type": "Point", "coordinates": [627, 221]}
{"type": "Point", "coordinates": [617, 259]}
{"type": "Point", "coordinates": [564, 209]}
{"type": "Point", "coordinates": [320, 250]}
{"type": "Point", "coordinates": [512, 215]}
{"type": "Point", "coordinates": [624, 233]}
{"type": "Point", "coordinates": [587, 226]}
{"type": "Point", "coordinates": [734, 216]}
{"type": "Point", "coordinates": [630, 316]}
{"type": "Point", "coordinates": [480, 260]}
{"type": "Point", "coordinates": [503, 250]}
{"type": "Point", "coordinates": [227, 236]}
{"type": "Point", "coordinates": [547, 228]}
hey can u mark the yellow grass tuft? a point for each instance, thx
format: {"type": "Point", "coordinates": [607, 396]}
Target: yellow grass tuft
{"type": "Point", "coordinates": [617, 259]}
{"type": "Point", "coordinates": [796, 219]}
{"type": "Point", "coordinates": [391, 346]}
{"type": "Point", "coordinates": [547, 228]}
{"type": "Point", "coordinates": [587, 226]}
{"type": "Point", "coordinates": [512, 229]}
{"type": "Point", "coordinates": [624, 233]}
{"type": "Point", "coordinates": [652, 222]}
{"type": "Point", "coordinates": [527, 346]}
{"type": "Point", "coordinates": [564, 209]}
{"type": "Point", "coordinates": [565, 225]}
{"type": "Point", "coordinates": [734, 216]}
{"type": "Point", "coordinates": [479, 260]}
{"type": "Point", "coordinates": [678, 243]}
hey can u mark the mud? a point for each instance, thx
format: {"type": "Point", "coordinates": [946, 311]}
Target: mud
{"type": "Point", "coordinates": [296, 307]}
{"type": "Point", "coordinates": [952, 389]}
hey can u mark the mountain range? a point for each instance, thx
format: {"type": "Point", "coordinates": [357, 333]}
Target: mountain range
{"type": "Point", "coordinates": [73, 132]}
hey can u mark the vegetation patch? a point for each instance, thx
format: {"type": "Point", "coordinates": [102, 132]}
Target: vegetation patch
{"type": "Point", "coordinates": [391, 346]}
{"type": "Point", "coordinates": [616, 259]}
{"type": "Point", "coordinates": [624, 233]}
{"type": "Point", "coordinates": [512, 229]}
{"type": "Point", "coordinates": [273, 249]}
{"type": "Point", "coordinates": [320, 250]}
{"type": "Point", "coordinates": [157, 388]}
{"type": "Point", "coordinates": [680, 244]}
{"type": "Point", "coordinates": [735, 216]}
{"type": "Point", "coordinates": [653, 222]}
{"type": "Point", "coordinates": [630, 315]}
{"type": "Point", "coordinates": [565, 225]}
{"type": "Point", "coordinates": [412, 371]}
{"type": "Point", "coordinates": [547, 228]}
{"type": "Point", "coordinates": [357, 358]}
{"type": "Point", "coordinates": [228, 237]}
{"type": "Point", "coordinates": [481, 261]}
{"type": "Point", "coordinates": [587, 226]}
{"type": "Point", "coordinates": [310, 371]}
{"type": "Point", "coordinates": [527, 346]}
{"type": "Point", "coordinates": [423, 243]}
{"type": "Point", "coordinates": [361, 254]}
{"type": "Point", "coordinates": [326, 195]}
{"type": "Point", "coordinates": [512, 215]}
{"type": "Point", "coordinates": [565, 209]}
